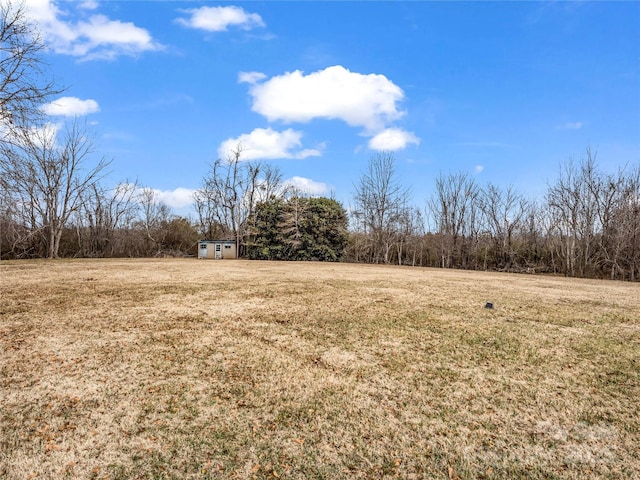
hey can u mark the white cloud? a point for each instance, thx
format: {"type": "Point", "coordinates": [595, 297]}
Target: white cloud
{"type": "Point", "coordinates": [479, 169]}
{"type": "Point", "coordinates": [306, 185]}
{"type": "Point", "coordinates": [265, 143]}
{"type": "Point", "coordinates": [570, 126]}
{"type": "Point", "coordinates": [177, 198]}
{"type": "Point", "coordinates": [44, 136]}
{"type": "Point", "coordinates": [219, 19]}
{"type": "Point", "coordinates": [96, 37]}
{"type": "Point", "coordinates": [71, 107]}
{"type": "Point", "coordinates": [250, 77]}
{"type": "Point", "coordinates": [368, 101]}
{"type": "Point", "coordinates": [393, 139]}
{"type": "Point", "coordinates": [89, 4]}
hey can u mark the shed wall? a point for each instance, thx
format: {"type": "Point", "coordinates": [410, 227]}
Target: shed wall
{"type": "Point", "coordinates": [224, 249]}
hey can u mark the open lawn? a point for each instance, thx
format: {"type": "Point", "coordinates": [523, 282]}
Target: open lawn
{"type": "Point", "coordinates": [237, 369]}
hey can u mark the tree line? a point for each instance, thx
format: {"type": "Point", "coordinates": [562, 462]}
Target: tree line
{"type": "Point", "coordinates": [53, 202]}
{"type": "Point", "coordinates": [587, 224]}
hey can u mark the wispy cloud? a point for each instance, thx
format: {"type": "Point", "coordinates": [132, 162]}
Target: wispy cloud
{"type": "Point", "coordinates": [90, 37]}
{"type": "Point", "coordinates": [307, 186]}
{"type": "Point", "coordinates": [177, 198]}
{"type": "Point", "coordinates": [570, 126]}
{"type": "Point", "coordinates": [393, 139]}
{"type": "Point", "coordinates": [266, 143]}
{"type": "Point", "coordinates": [251, 77]}
{"type": "Point", "coordinates": [219, 19]}
{"type": "Point", "coordinates": [71, 107]}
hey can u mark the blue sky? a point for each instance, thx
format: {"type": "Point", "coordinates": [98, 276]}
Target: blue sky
{"type": "Point", "coordinates": [502, 90]}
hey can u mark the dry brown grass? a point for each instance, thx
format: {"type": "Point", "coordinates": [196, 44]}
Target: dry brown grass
{"type": "Point", "coordinates": [203, 369]}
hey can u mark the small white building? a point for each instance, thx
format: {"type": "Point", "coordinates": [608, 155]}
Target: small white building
{"type": "Point", "coordinates": [217, 249]}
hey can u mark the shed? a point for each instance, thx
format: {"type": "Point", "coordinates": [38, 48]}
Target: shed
{"type": "Point", "coordinates": [217, 249]}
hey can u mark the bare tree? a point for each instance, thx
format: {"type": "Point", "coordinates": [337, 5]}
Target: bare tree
{"type": "Point", "coordinates": [155, 215]}
{"type": "Point", "coordinates": [15, 236]}
{"type": "Point", "coordinates": [622, 233]}
{"type": "Point", "coordinates": [573, 203]}
{"type": "Point", "coordinates": [23, 84]}
{"type": "Point", "coordinates": [410, 239]}
{"type": "Point", "coordinates": [504, 211]}
{"type": "Point", "coordinates": [631, 212]}
{"type": "Point", "coordinates": [381, 205]}
{"type": "Point", "coordinates": [536, 251]}
{"type": "Point", "coordinates": [453, 210]}
{"type": "Point", "coordinates": [105, 212]}
{"type": "Point", "coordinates": [47, 178]}
{"type": "Point", "coordinates": [228, 196]}
{"type": "Point", "coordinates": [360, 245]}
{"type": "Point", "coordinates": [270, 184]}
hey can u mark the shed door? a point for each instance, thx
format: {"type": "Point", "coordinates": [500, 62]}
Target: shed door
{"type": "Point", "coordinates": [203, 250]}
{"type": "Point", "coordinates": [218, 251]}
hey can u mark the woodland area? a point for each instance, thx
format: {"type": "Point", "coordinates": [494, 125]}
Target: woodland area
{"type": "Point", "coordinates": [54, 202]}
{"type": "Point", "coordinates": [588, 224]}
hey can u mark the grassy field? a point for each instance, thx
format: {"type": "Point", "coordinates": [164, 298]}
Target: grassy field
{"type": "Point", "coordinates": [233, 369]}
